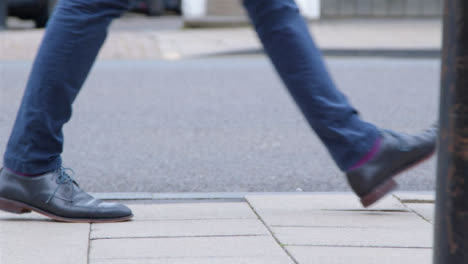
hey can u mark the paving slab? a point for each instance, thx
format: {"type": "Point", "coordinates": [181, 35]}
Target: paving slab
{"type": "Point", "coordinates": [415, 197]}
{"type": "Point", "coordinates": [257, 249]}
{"type": "Point", "coordinates": [180, 228]}
{"type": "Point", "coordinates": [344, 201]}
{"type": "Point", "coordinates": [357, 255]}
{"type": "Point", "coordinates": [5, 216]}
{"type": "Point", "coordinates": [357, 237]}
{"type": "Point", "coordinates": [326, 218]}
{"type": "Point", "coordinates": [43, 242]}
{"type": "Point", "coordinates": [192, 211]}
{"type": "Point", "coordinates": [427, 211]}
{"type": "Point", "coordinates": [197, 260]}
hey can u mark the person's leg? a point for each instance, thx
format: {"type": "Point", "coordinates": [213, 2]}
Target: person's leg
{"type": "Point", "coordinates": [34, 179]}
{"type": "Point", "coordinates": [369, 156]}
{"type": "Point", "coordinates": [72, 40]}
{"type": "Point", "coordinates": [287, 41]}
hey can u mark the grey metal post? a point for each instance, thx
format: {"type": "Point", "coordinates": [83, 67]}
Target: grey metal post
{"type": "Point", "coordinates": [451, 224]}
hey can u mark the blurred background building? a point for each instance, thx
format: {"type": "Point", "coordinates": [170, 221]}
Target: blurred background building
{"type": "Point", "coordinates": [198, 12]}
{"type": "Point", "coordinates": [230, 12]}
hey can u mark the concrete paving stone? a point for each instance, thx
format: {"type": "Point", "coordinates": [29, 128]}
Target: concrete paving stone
{"type": "Point", "coordinates": [415, 197]}
{"type": "Point", "coordinates": [187, 211]}
{"type": "Point", "coordinates": [261, 249]}
{"type": "Point", "coordinates": [335, 201]}
{"type": "Point", "coordinates": [43, 242]}
{"type": "Point", "coordinates": [357, 255]}
{"type": "Point", "coordinates": [358, 237]}
{"type": "Point", "coordinates": [201, 260]}
{"type": "Point", "coordinates": [312, 218]}
{"type": "Point", "coordinates": [184, 228]}
{"type": "Point", "coordinates": [427, 211]}
{"type": "Point", "coordinates": [5, 216]}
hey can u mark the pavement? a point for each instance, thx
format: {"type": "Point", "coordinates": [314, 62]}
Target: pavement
{"type": "Point", "coordinates": [326, 228]}
{"type": "Point", "coordinates": [355, 37]}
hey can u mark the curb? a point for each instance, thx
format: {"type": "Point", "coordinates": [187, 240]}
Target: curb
{"type": "Point", "coordinates": [419, 196]}
{"type": "Point", "coordinates": [346, 52]}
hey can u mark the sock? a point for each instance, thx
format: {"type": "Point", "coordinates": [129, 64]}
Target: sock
{"type": "Point", "coordinates": [23, 174]}
{"type": "Point", "coordinates": [369, 154]}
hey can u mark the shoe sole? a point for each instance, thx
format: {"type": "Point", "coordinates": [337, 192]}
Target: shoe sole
{"type": "Point", "coordinates": [21, 208]}
{"type": "Point", "coordinates": [389, 185]}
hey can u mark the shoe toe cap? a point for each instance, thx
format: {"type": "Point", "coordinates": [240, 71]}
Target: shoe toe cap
{"type": "Point", "coordinates": [114, 210]}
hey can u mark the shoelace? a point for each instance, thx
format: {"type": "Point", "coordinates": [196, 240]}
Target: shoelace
{"type": "Point", "coordinates": [62, 178]}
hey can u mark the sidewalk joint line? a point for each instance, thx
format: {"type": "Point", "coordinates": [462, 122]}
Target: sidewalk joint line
{"type": "Point", "coordinates": [165, 237]}
{"type": "Point", "coordinates": [340, 227]}
{"type": "Point", "coordinates": [418, 214]}
{"type": "Point", "coordinates": [367, 210]}
{"type": "Point", "coordinates": [414, 201]}
{"type": "Point", "coordinates": [187, 219]}
{"type": "Point", "coordinates": [89, 245]}
{"type": "Point", "coordinates": [352, 246]}
{"type": "Point", "coordinates": [282, 246]}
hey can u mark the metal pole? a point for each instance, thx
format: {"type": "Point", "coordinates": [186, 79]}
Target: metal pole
{"type": "Point", "coordinates": [3, 13]}
{"type": "Point", "coordinates": [451, 223]}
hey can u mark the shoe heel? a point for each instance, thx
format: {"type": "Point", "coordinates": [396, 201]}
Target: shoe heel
{"type": "Point", "coordinates": [378, 193]}
{"type": "Point", "coordinates": [13, 207]}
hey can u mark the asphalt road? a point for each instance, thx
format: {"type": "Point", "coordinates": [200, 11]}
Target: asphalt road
{"type": "Point", "coordinates": [222, 124]}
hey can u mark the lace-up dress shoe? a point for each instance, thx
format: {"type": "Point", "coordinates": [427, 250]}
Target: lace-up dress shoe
{"type": "Point", "coordinates": [397, 153]}
{"type": "Point", "coordinates": [57, 196]}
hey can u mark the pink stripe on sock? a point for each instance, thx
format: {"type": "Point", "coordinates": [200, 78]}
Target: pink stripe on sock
{"type": "Point", "coordinates": [369, 154]}
{"type": "Point", "coordinates": [22, 174]}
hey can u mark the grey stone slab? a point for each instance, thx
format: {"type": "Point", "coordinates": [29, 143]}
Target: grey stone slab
{"type": "Point", "coordinates": [358, 255]}
{"type": "Point", "coordinates": [259, 249]}
{"type": "Point", "coordinates": [29, 241]}
{"type": "Point", "coordinates": [427, 211]}
{"type": "Point", "coordinates": [415, 197]}
{"type": "Point", "coordinates": [322, 201]}
{"type": "Point", "coordinates": [5, 216]}
{"type": "Point", "coordinates": [314, 218]}
{"type": "Point", "coordinates": [360, 237]}
{"type": "Point", "coordinates": [184, 211]}
{"type": "Point", "coordinates": [179, 228]}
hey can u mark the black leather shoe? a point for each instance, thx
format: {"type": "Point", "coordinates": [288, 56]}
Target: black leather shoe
{"type": "Point", "coordinates": [397, 153]}
{"type": "Point", "coordinates": [57, 196]}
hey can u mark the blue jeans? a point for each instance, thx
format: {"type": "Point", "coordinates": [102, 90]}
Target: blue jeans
{"type": "Point", "coordinates": [78, 29]}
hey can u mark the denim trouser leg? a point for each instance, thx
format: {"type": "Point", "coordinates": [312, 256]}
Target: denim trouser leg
{"type": "Point", "coordinates": [287, 41]}
{"type": "Point", "coordinates": [72, 40]}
